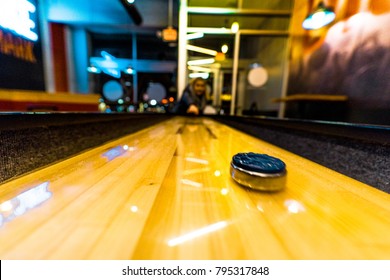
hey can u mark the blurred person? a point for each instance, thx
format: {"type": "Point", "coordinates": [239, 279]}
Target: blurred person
{"type": "Point", "coordinates": [193, 100]}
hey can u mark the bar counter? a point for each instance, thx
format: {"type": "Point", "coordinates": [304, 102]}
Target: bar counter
{"type": "Point", "coordinates": [165, 192]}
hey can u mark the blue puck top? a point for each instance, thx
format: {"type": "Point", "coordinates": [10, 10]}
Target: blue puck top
{"type": "Point", "coordinates": [261, 163]}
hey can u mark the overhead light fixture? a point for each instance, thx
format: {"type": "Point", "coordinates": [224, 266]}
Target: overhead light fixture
{"type": "Point", "coordinates": [201, 61]}
{"type": "Point", "coordinates": [224, 48]}
{"type": "Point", "coordinates": [321, 17]}
{"type": "Point", "coordinates": [132, 11]}
{"type": "Point", "coordinates": [107, 56]}
{"type": "Point", "coordinates": [112, 72]}
{"type": "Point", "coordinates": [199, 75]}
{"type": "Point", "coordinates": [257, 75]}
{"type": "Point", "coordinates": [93, 69]}
{"type": "Point", "coordinates": [235, 27]}
{"type": "Point", "coordinates": [195, 35]}
{"type": "Point", "coordinates": [200, 69]}
{"type": "Point", "coordinates": [107, 63]}
{"type": "Point", "coordinates": [201, 50]}
{"type": "Point", "coordinates": [169, 34]}
{"type": "Point", "coordinates": [129, 70]}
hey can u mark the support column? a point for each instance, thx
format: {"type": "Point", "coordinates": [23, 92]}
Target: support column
{"type": "Point", "coordinates": [182, 57]}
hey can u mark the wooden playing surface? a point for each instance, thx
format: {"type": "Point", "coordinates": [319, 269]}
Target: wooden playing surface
{"type": "Point", "coordinates": [166, 193]}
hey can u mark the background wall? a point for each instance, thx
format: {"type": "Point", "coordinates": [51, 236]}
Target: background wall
{"type": "Point", "coordinates": [350, 57]}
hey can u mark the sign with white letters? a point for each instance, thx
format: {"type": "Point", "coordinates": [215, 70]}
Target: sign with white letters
{"type": "Point", "coordinates": [21, 63]}
{"type": "Point", "coordinates": [18, 17]}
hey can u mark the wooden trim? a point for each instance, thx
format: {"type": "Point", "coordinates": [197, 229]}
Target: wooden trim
{"type": "Point", "coordinates": [311, 97]}
{"type": "Point", "coordinates": [41, 96]}
{"type": "Point", "coordinates": [17, 100]}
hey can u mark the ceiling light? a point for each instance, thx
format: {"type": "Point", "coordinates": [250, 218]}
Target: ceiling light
{"type": "Point", "coordinates": [224, 48]}
{"type": "Point", "coordinates": [107, 56]}
{"type": "Point", "coordinates": [195, 35]}
{"type": "Point", "coordinates": [199, 75]}
{"type": "Point", "coordinates": [199, 68]}
{"type": "Point", "coordinates": [169, 34]}
{"type": "Point", "coordinates": [201, 61]}
{"type": "Point", "coordinates": [201, 50]}
{"type": "Point", "coordinates": [93, 69]}
{"type": "Point", "coordinates": [321, 16]}
{"type": "Point", "coordinates": [235, 26]}
{"type": "Point", "coordinates": [129, 70]}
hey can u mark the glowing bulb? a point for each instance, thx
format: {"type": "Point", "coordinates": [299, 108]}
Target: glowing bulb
{"type": "Point", "coordinates": [93, 69]}
{"type": "Point", "coordinates": [224, 48]}
{"type": "Point", "coordinates": [321, 17]}
{"type": "Point", "coordinates": [235, 26]}
{"type": "Point", "coordinates": [129, 70]}
{"type": "Point", "coordinates": [102, 106]}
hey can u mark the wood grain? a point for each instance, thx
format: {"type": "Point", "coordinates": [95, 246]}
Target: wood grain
{"type": "Point", "coordinates": [166, 193]}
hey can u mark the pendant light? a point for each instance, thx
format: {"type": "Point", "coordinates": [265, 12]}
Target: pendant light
{"type": "Point", "coordinates": [320, 17]}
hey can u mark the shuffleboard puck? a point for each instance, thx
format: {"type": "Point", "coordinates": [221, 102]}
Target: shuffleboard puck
{"type": "Point", "coordinates": [258, 171]}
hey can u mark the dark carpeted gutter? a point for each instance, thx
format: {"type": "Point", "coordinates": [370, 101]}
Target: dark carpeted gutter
{"type": "Point", "coordinates": [32, 140]}
{"type": "Point", "coordinates": [359, 151]}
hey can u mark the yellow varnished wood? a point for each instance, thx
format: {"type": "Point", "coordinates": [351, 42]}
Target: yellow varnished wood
{"type": "Point", "coordinates": [42, 96]}
{"type": "Point", "coordinates": [170, 196]}
{"type": "Point", "coordinates": [311, 97]}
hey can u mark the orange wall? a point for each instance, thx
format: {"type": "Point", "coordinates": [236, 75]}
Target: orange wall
{"type": "Point", "coordinates": [350, 57]}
